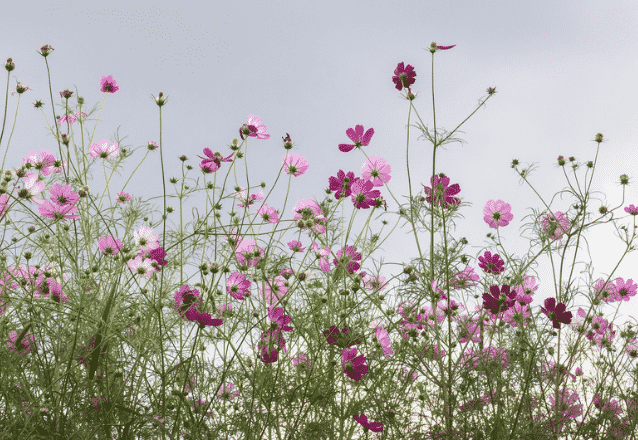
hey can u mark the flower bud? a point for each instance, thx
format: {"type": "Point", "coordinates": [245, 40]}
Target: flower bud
{"type": "Point", "coordinates": [561, 160]}
{"type": "Point", "coordinates": [46, 50]}
{"type": "Point", "coordinates": [624, 179]}
{"type": "Point", "coordinates": [64, 138]}
{"type": "Point", "coordinates": [20, 88]}
{"type": "Point", "coordinates": [599, 137]}
{"type": "Point", "coordinates": [10, 65]}
{"type": "Point", "coordinates": [161, 100]}
{"type": "Point", "coordinates": [433, 46]}
{"type": "Point", "coordinates": [66, 93]}
{"type": "Point", "coordinates": [491, 90]}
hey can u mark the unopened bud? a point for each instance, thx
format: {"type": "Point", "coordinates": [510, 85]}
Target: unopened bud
{"type": "Point", "coordinates": [10, 65]}
{"type": "Point", "coordinates": [46, 50]}
{"type": "Point", "coordinates": [599, 137]}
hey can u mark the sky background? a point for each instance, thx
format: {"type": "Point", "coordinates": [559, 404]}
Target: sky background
{"type": "Point", "coordinates": [563, 71]}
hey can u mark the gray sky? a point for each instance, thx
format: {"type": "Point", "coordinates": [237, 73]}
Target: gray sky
{"type": "Point", "coordinates": [563, 72]}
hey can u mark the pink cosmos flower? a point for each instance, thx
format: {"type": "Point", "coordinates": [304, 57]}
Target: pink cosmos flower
{"type": "Point", "coordinates": [517, 315]}
{"type": "Point", "coordinates": [42, 162]}
{"type": "Point", "coordinates": [273, 295]}
{"type": "Point", "coordinates": [347, 257]}
{"type": "Point", "coordinates": [625, 290]}
{"type": "Point", "coordinates": [312, 215]}
{"type": "Point", "coordinates": [566, 399]}
{"type": "Point", "coordinates": [4, 204]}
{"type": "Point", "coordinates": [155, 256]}
{"type": "Point", "coordinates": [277, 316]}
{"type": "Point", "coordinates": [27, 344]}
{"type": "Point", "coordinates": [357, 137]}
{"type": "Point", "coordinates": [555, 225]}
{"type": "Point", "coordinates": [302, 362]}
{"type": "Point", "coordinates": [49, 286]}
{"type": "Point", "coordinates": [375, 283]}
{"type": "Point", "coordinates": [443, 193]}
{"type": "Point", "coordinates": [342, 183]}
{"type": "Point", "coordinates": [384, 340]}
{"type": "Point", "coordinates": [253, 197]}
{"type": "Point", "coordinates": [237, 285]}
{"type": "Point", "coordinates": [70, 118]}
{"type": "Point", "coordinates": [556, 312]}
{"type": "Point", "coordinates": [605, 291]}
{"type": "Point", "coordinates": [31, 187]}
{"type": "Point", "coordinates": [123, 197]}
{"type": "Point", "coordinates": [526, 290]}
{"type": "Point", "coordinates": [146, 239]}
{"type": "Point", "coordinates": [228, 392]}
{"type": "Point", "coordinates": [497, 213]}
{"type": "Point", "coordinates": [342, 339]}
{"type": "Point", "coordinates": [465, 279]}
{"type": "Point", "coordinates": [632, 349]}
{"type": "Point", "coordinates": [63, 194]}
{"type": "Point", "coordinates": [268, 214]}
{"type": "Point", "coordinates": [363, 195]}
{"type": "Point", "coordinates": [372, 426]}
{"type": "Point", "coordinates": [631, 209]}
{"type": "Point", "coordinates": [257, 129]}
{"type": "Point", "coordinates": [268, 340]}
{"type": "Point", "coordinates": [246, 252]}
{"type": "Point", "coordinates": [296, 246]}
{"type": "Point", "coordinates": [294, 164]}
{"type": "Point", "coordinates": [322, 255]}
{"type": "Point", "coordinates": [108, 84]}
{"type": "Point", "coordinates": [377, 170]}
{"type": "Point", "coordinates": [52, 210]}
{"type": "Point", "coordinates": [353, 365]}
{"type": "Point", "coordinates": [141, 266]}
{"type": "Point", "coordinates": [403, 76]}
{"type": "Point", "coordinates": [103, 150]}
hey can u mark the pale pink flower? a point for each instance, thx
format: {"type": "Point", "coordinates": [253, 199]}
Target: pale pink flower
{"type": "Point", "coordinates": [268, 214]}
{"type": "Point", "coordinates": [109, 245]}
{"type": "Point", "coordinates": [294, 164]}
{"type": "Point", "coordinates": [497, 213]}
{"type": "Point", "coordinates": [377, 170]}
{"type": "Point", "coordinates": [103, 150]}
{"type": "Point", "coordinates": [146, 239]}
{"type": "Point", "coordinates": [141, 266]}
{"type": "Point", "coordinates": [108, 84]}
{"type": "Point", "coordinates": [123, 197]}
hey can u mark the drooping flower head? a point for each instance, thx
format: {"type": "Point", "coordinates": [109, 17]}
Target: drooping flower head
{"type": "Point", "coordinates": [212, 161]}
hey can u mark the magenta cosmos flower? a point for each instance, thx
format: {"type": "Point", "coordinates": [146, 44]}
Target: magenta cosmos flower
{"type": "Point", "coordinates": [109, 245]}
{"type": "Point", "coordinates": [213, 161]}
{"type": "Point", "coordinates": [108, 84]}
{"type": "Point", "coordinates": [443, 193]}
{"type": "Point", "coordinates": [237, 286]}
{"type": "Point", "coordinates": [342, 339]}
{"type": "Point", "coordinates": [363, 196]}
{"type": "Point", "coordinates": [491, 263]}
{"type": "Point", "coordinates": [372, 426]}
{"type": "Point", "coordinates": [63, 194]}
{"type": "Point", "coordinates": [357, 137]}
{"type": "Point", "coordinates": [556, 312]}
{"type": "Point", "coordinates": [499, 300]}
{"type": "Point", "coordinates": [403, 76]}
{"type": "Point", "coordinates": [353, 365]}
{"type": "Point", "coordinates": [342, 183]}
{"type": "Point", "coordinates": [155, 255]}
{"type": "Point", "coordinates": [103, 150]}
{"type": "Point", "coordinates": [631, 209]}
{"type": "Point", "coordinates": [277, 316]}
{"type": "Point", "coordinates": [347, 258]}
{"type": "Point", "coordinates": [497, 213]}
{"type": "Point", "coordinates": [302, 363]}
{"type": "Point", "coordinates": [257, 129]}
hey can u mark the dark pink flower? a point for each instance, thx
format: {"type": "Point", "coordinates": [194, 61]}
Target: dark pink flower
{"type": "Point", "coordinates": [376, 170]}
{"type": "Point", "coordinates": [556, 312]}
{"type": "Point", "coordinates": [442, 194]}
{"type": "Point", "coordinates": [403, 76]}
{"type": "Point", "coordinates": [357, 137]}
{"type": "Point", "coordinates": [347, 257]}
{"type": "Point", "coordinates": [342, 183]}
{"type": "Point", "coordinates": [491, 263]}
{"type": "Point", "coordinates": [212, 161]}
{"type": "Point", "coordinates": [353, 365]}
{"type": "Point", "coordinates": [499, 300]}
{"type": "Point", "coordinates": [237, 286]}
{"type": "Point", "coordinates": [363, 421]}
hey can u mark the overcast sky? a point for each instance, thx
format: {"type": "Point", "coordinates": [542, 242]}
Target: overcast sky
{"type": "Point", "coordinates": [563, 71]}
